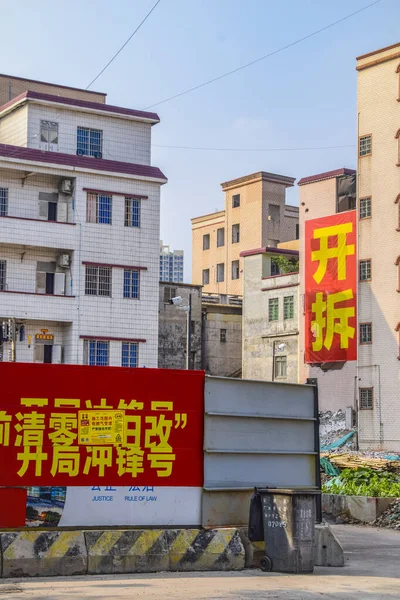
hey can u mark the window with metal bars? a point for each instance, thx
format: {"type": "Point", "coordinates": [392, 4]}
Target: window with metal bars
{"type": "Point", "coordinates": [365, 333]}
{"type": "Point", "coordinates": [365, 269]}
{"type": "Point", "coordinates": [130, 354]}
{"type": "Point", "coordinates": [98, 281]}
{"type": "Point", "coordinates": [99, 208]}
{"type": "Point", "coordinates": [3, 271]}
{"type": "Point", "coordinates": [97, 353]}
{"type": "Point", "coordinates": [131, 283]}
{"type": "Point", "coordinates": [365, 208]}
{"type": "Point", "coordinates": [365, 145]}
{"type": "Point", "coordinates": [288, 307]}
{"type": "Point", "coordinates": [132, 212]}
{"type": "Point", "coordinates": [366, 398]}
{"type": "Point", "coordinates": [3, 202]}
{"type": "Point", "coordinates": [169, 293]}
{"type": "Point", "coordinates": [273, 309]}
{"type": "Point", "coordinates": [222, 335]}
{"type": "Point", "coordinates": [89, 141]}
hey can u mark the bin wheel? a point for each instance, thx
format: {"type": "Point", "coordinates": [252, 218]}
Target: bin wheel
{"type": "Point", "coordinates": [266, 564]}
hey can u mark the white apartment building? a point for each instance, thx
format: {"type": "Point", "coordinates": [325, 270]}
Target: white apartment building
{"type": "Point", "coordinates": [79, 231]}
{"type": "Point", "coordinates": [171, 264]}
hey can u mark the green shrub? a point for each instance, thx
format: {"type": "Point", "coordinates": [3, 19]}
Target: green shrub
{"type": "Point", "coordinates": [364, 482]}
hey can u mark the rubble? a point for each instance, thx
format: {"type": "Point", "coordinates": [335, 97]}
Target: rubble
{"type": "Point", "coordinates": [390, 518]}
{"type": "Point", "coordinates": [332, 426]}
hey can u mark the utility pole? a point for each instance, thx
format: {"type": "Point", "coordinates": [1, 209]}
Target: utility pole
{"type": "Point", "coordinates": [189, 333]}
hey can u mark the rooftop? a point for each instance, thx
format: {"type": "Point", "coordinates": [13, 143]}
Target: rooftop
{"type": "Point", "coordinates": [18, 153]}
{"type": "Point", "coordinates": [65, 87]}
{"type": "Point", "coordinates": [260, 175]}
{"type": "Point", "coordinates": [379, 51]}
{"type": "Point", "coordinates": [209, 216]}
{"type": "Point", "coordinates": [79, 104]}
{"type": "Point", "coordinates": [326, 175]}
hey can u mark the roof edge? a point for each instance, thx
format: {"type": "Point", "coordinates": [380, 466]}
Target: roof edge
{"type": "Point", "coordinates": [64, 87]}
{"type": "Point", "coordinates": [327, 175]}
{"type": "Point", "coordinates": [263, 175]}
{"type": "Point", "coordinates": [267, 250]}
{"type": "Point", "coordinates": [397, 45]}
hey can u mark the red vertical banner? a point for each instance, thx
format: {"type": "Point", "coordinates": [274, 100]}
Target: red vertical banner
{"type": "Point", "coordinates": [330, 288]}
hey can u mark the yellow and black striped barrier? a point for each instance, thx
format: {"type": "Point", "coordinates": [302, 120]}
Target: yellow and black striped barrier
{"type": "Point", "coordinates": [52, 553]}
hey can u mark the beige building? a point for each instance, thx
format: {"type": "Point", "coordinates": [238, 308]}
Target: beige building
{"type": "Point", "coordinates": [378, 381]}
{"type": "Point", "coordinates": [322, 195]}
{"type": "Point", "coordinates": [270, 316]}
{"type": "Point", "coordinates": [255, 216]}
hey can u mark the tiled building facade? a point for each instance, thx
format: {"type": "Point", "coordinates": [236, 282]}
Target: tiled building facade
{"type": "Point", "coordinates": [255, 216]}
{"type": "Point", "coordinates": [79, 231]}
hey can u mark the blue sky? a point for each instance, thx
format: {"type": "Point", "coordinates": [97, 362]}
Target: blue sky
{"type": "Point", "coordinates": [302, 97]}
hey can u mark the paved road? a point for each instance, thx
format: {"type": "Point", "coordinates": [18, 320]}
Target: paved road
{"type": "Point", "coordinates": [372, 572]}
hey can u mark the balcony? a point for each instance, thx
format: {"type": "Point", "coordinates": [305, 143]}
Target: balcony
{"type": "Point", "coordinates": [37, 232]}
{"type": "Point", "coordinates": [31, 305]}
{"type": "Point", "coordinates": [225, 299]}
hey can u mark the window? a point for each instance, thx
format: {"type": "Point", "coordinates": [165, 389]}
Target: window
{"type": "Point", "coordinates": [206, 276]}
{"type": "Point", "coordinates": [132, 212]}
{"type": "Point", "coordinates": [98, 281]}
{"type": "Point", "coordinates": [48, 281]}
{"type": "Point", "coordinates": [288, 307]}
{"type": "Point", "coordinates": [220, 272]}
{"type": "Point", "coordinates": [297, 231]}
{"type": "Point", "coordinates": [98, 208]}
{"type": "Point", "coordinates": [130, 355]}
{"type": "Point", "coordinates": [365, 270]}
{"type": "Point", "coordinates": [206, 241]}
{"type": "Point", "coordinates": [3, 202]}
{"type": "Point", "coordinates": [274, 267]}
{"type": "Point", "coordinates": [97, 353]}
{"type": "Point", "coordinates": [89, 142]}
{"type": "Point", "coordinates": [131, 283]}
{"type": "Point", "coordinates": [365, 145]}
{"type": "Point", "coordinates": [280, 367]}
{"type": "Point", "coordinates": [222, 335]}
{"type": "Point", "coordinates": [366, 398]}
{"type": "Point", "coordinates": [273, 309]}
{"type": "Point", "coordinates": [48, 135]}
{"type": "Point", "coordinates": [235, 269]}
{"type": "Point", "coordinates": [220, 237]}
{"type": "Point", "coordinates": [397, 137]}
{"type": "Point", "coordinates": [365, 208]}
{"type": "Point", "coordinates": [3, 271]}
{"type": "Point", "coordinates": [169, 292]}
{"type": "Point", "coordinates": [365, 333]}
{"type": "Point", "coordinates": [236, 201]}
{"type": "Point", "coordinates": [235, 233]}
{"type": "Point", "coordinates": [397, 201]}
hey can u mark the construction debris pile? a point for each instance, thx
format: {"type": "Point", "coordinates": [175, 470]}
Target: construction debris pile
{"type": "Point", "coordinates": [390, 518]}
{"type": "Point", "coordinates": [331, 426]}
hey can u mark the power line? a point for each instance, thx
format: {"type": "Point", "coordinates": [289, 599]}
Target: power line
{"type": "Point", "coordinates": [254, 149]}
{"type": "Point", "coordinates": [123, 46]}
{"type": "Point", "coordinates": [253, 62]}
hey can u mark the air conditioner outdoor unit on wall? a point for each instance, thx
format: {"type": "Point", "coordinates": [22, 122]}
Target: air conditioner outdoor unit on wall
{"type": "Point", "coordinates": [64, 260]}
{"type": "Point", "coordinates": [66, 186]}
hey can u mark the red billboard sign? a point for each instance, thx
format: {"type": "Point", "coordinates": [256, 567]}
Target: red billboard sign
{"type": "Point", "coordinates": [79, 426]}
{"type": "Point", "coordinates": [330, 289]}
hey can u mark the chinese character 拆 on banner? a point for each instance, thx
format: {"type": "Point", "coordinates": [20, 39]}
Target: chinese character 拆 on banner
{"type": "Point", "coordinates": [330, 289]}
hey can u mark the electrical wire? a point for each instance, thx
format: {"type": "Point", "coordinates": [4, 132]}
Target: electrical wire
{"type": "Point", "coordinates": [253, 62]}
{"type": "Point", "coordinates": [123, 46]}
{"type": "Point", "coordinates": [254, 149]}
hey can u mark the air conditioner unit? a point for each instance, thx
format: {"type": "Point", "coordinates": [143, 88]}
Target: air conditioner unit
{"type": "Point", "coordinates": [98, 155]}
{"type": "Point", "coordinates": [80, 152]}
{"type": "Point", "coordinates": [64, 261]}
{"type": "Point", "coordinates": [66, 186]}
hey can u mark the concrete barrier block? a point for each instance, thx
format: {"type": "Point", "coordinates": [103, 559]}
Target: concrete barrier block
{"type": "Point", "coordinates": [43, 553]}
{"type": "Point", "coordinates": [205, 550]}
{"type": "Point", "coordinates": [254, 551]}
{"type": "Point", "coordinates": [328, 551]}
{"type": "Point", "coordinates": [361, 508]}
{"type": "Point", "coordinates": [127, 551]}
